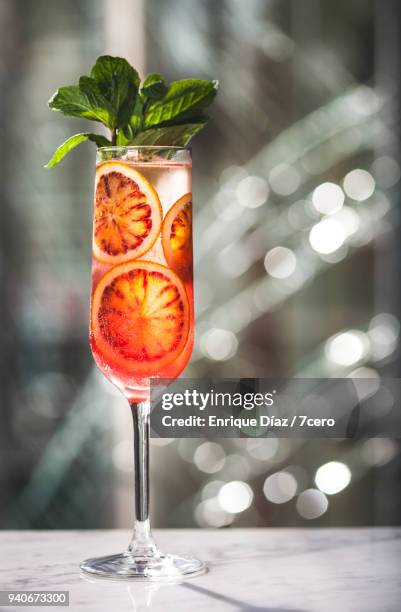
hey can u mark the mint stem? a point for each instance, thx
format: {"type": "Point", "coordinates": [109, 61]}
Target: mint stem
{"type": "Point", "coordinates": [114, 136]}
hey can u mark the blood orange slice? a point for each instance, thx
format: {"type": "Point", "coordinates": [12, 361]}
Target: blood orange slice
{"type": "Point", "coordinates": [128, 214]}
{"type": "Point", "coordinates": [140, 317]}
{"type": "Point", "coordinates": [177, 237]}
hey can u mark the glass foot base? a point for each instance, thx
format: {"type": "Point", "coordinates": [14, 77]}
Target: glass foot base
{"type": "Point", "coordinates": [161, 567]}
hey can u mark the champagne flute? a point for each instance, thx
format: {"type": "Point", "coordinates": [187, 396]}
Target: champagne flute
{"type": "Point", "coordinates": [141, 321]}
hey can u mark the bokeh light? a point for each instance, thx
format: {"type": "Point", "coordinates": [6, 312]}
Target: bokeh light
{"type": "Point", "coordinates": [327, 236]}
{"type": "Point", "coordinates": [347, 348]}
{"type": "Point", "coordinates": [280, 262]}
{"type": "Point", "coordinates": [383, 333]}
{"type": "Point", "coordinates": [284, 179]}
{"type": "Point", "coordinates": [311, 504]}
{"type": "Point", "coordinates": [386, 171]}
{"type": "Point", "coordinates": [209, 457]}
{"type": "Point", "coordinates": [235, 496]}
{"type": "Point", "coordinates": [366, 381]}
{"type": "Point", "coordinates": [328, 198]}
{"type": "Point", "coordinates": [379, 451]}
{"type": "Point", "coordinates": [333, 477]}
{"type": "Point", "coordinates": [211, 489]}
{"type": "Point", "coordinates": [219, 344]}
{"type": "Point", "coordinates": [232, 174]}
{"type": "Point", "coordinates": [359, 185]}
{"type": "Point", "coordinates": [262, 449]}
{"type": "Point", "coordinates": [252, 191]}
{"type": "Point", "coordinates": [209, 514]}
{"type": "Point", "coordinates": [280, 487]}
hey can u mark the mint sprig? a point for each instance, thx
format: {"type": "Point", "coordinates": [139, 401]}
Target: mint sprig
{"type": "Point", "coordinates": [151, 114]}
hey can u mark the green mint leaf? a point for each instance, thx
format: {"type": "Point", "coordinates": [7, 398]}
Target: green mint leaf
{"type": "Point", "coordinates": [118, 82]}
{"type": "Point", "coordinates": [172, 135]}
{"type": "Point", "coordinates": [99, 140]}
{"type": "Point", "coordinates": [124, 136]}
{"type": "Point", "coordinates": [154, 86]}
{"type": "Point", "coordinates": [73, 142]}
{"type": "Point", "coordinates": [98, 102]}
{"type": "Point", "coordinates": [182, 99]}
{"type": "Point", "coordinates": [136, 119]}
{"type": "Point", "coordinates": [157, 114]}
{"type": "Point", "coordinates": [71, 100]}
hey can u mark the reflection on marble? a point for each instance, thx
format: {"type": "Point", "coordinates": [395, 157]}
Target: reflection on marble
{"type": "Point", "coordinates": [251, 570]}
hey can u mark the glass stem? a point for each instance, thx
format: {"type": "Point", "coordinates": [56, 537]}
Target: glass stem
{"type": "Point", "coordinates": [142, 544]}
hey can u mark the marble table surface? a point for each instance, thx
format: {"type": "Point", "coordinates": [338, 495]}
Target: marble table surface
{"type": "Point", "coordinates": [253, 570]}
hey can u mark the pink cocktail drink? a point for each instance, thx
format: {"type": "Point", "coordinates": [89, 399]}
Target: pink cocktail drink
{"type": "Point", "coordinates": [142, 281]}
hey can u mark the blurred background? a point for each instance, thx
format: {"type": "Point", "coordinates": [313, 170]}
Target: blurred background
{"type": "Point", "coordinates": [297, 185]}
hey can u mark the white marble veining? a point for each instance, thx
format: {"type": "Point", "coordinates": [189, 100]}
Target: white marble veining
{"type": "Point", "coordinates": [253, 570]}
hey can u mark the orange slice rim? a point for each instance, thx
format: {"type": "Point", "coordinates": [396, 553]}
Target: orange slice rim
{"type": "Point", "coordinates": [127, 214]}
{"type": "Point", "coordinates": [177, 237]}
{"type": "Point", "coordinates": [140, 317]}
